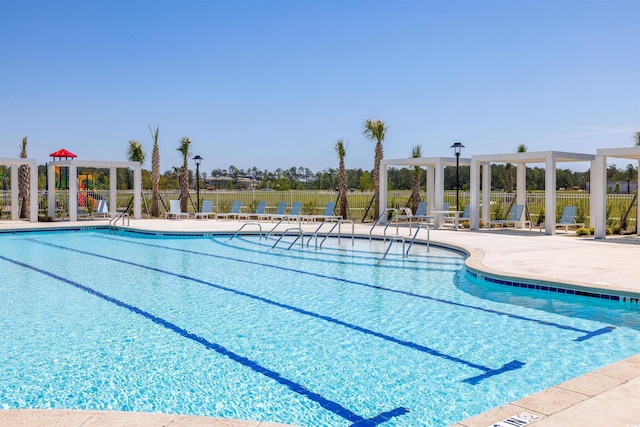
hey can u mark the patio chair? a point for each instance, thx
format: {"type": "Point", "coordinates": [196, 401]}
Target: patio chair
{"type": "Point", "coordinates": [174, 210]}
{"type": "Point", "coordinates": [465, 216]}
{"type": "Point", "coordinates": [260, 210]}
{"type": "Point", "coordinates": [326, 216]}
{"type": "Point", "coordinates": [515, 217]}
{"type": "Point", "coordinates": [294, 212]}
{"type": "Point", "coordinates": [281, 212]}
{"type": "Point", "coordinates": [236, 205]}
{"type": "Point", "coordinates": [420, 215]}
{"type": "Point", "coordinates": [207, 210]}
{"type": "Point", "coordinates": [102, 210]}
{"type": "Point", "coordinates": [567, 219]}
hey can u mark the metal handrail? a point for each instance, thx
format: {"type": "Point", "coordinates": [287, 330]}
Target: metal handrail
{"type": "Point", "coordinates": [287, 218]}
{"type": "Point", "coordinates": [391, 241]}
{"type": "Point", "coordinates": [244, 225]}
{"type": "Point", "coordinates": [378, 220]}
{"type": "Point", "coordinates": [339, 224]}
{"type": "Point", "coordinates": [115, 219]}
{"type": "Point", "coordinates": [418, 227]}
{"type": "Point", "coordinates": [300, 234]}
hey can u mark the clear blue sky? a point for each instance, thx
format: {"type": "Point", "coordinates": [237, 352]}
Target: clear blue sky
{"type": "Point", "coordinates": [275, 84]}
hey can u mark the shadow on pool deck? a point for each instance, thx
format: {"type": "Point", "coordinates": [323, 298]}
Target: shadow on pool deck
{"type": "Point", "coordinates": [605, 397]}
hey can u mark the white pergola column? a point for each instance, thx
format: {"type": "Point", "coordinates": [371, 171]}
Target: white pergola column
{"type": "Point", "coordinates": [113, 190]}
{"type": "Point", "coordinates": [592, 198]}
{"type": "Point", "coordinates": [599, 195]}
{"type": "Point", "coordinates": [33, 191]}
{"type": "Point", "coordinates": [382, 197]}
{"type": "Point", "coordinates": [15, 193]}
{"type": "Point", "coordinates": [51, 190]}
{"type": "Point", "coordinates": [137, 192]}
{"type": "Point", "coordinates": [73, 192]}
{"type": "Point", "coordinates": [486, 192]}
{"type": "Point", "coordinates": [439, 199]}
{"type": "Point", "coordinates": [638, 201]}
{"type": "Point", "coordinates": [521, 184]}
{"type": "Point", "coordinates": [550, 196]}
{"type": "Point", "coordinates": [474, 211]}
{"type": "Point", "coordinates": [431, 188]}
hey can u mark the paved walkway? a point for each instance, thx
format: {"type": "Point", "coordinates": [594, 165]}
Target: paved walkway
{"type": "Point", "coordinates": [606, 397]}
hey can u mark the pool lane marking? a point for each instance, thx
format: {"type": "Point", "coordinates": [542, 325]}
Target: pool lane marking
{"type": "Point", "coordinates": [327, 404]}
{"type": "Point", "coordinates": [588, 334]}
{"type": "Point", "coordinates": [514, 364]}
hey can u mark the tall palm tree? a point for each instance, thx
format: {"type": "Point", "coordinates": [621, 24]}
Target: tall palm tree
{"type": "Point", "coordinates": [155, 171]}
{"type": "Point", "coordinates": [23, 181]}
{"type": "Point", "coordinates": [376, 130]}
{"type": "Point", "coordinates": [183, 148]}
{"type": "Point", "coordinates": [521, 149]}
{"type": "Point", "coordinates": [636, 139]}
{"type": "Point", "coordinates": [341, 151]}
{"type": "Point", "coordinates": [416, 153]}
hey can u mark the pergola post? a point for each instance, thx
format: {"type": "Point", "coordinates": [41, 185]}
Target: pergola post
{"type": "Point", "coordinates": [550, 195]}
{"type": "Point", "coordinates": [474, 211]}
{"type": "Point", "coordinates": [113, 190]}
{"type": "Point", "coordinates": [382, 175]}
{"type": "Point", "coordinates": [73, 192]}
{"type": "Point", "coordinates": [15, 193]}
{"type": "Point", "coordinates": [33, 191]}
{"type": "Point", "coordinates": [599, 193]}
{"type": "Point", "coordinates": [486, 192]}
{"type": "Point", "coordinates": [51, 190]}
{"type": "Point", "coordinates": [137, 191]}
{"type": "Point", "coordinates": [521, 184]}
{"type": "Point", "coordinates": [431, 188]}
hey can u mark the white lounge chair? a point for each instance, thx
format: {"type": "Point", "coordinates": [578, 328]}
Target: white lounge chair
{"type": "Point", "coordinates": [567, 219]}
{"type": "Point", "coordinates": [515, 218]}
{"type": "Point", "coordinates": [174, 210]}
{"type": "Point", "coordinates": [102, 210]}
{"type": "Point", "coordinates": [207, 210]}
{"type": "Point", "coordinates": [236, 206]}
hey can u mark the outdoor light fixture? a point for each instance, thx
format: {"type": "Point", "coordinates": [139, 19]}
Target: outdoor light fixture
{"type": "Point", "coordinates": [457, 148]}
{"type": "Point", "coordinates": [198, 160]}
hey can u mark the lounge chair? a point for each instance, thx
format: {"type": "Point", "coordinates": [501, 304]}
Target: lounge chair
{"type": "Point", "coordinates": [568, 219]}
{"type": "Point", "coordinates": [207, 210]}
{"type": "Point", "coordinates": [102, 210]}
{"type": "Point", "coordinates": [281, 211]}
{"type": "Point", "coordinates": [420, 215]}
{"type": "Point", "coordinates": [515, 218]}
{"type": "Point", "coordinates": [294, 213]}
{"type": "Point", "coordinates": [174, 210]}
{"type": "Point", "coordinates": [260, 210]}
{"type": "Point", "coordinates": [236, 205]}
{"type": "Point", "coordinates": [326, 216]}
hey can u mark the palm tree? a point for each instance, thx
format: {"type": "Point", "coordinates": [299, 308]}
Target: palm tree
{"type": "Point", "coordinates": [521, 149]}
{"type": "Point", "coordinates": [416, 153]}
{"type": "Point", "coordinates": [376, 130]}
{"type": "Point", "coordinates": [342, 180]}
{"type": "Point", "coordinates": [183, 148]}
{"type": "Point", "coordinates": [23, 181]}
{"type": "Point", "coordinates": [155, 171]}
{"type": "Point", "coordinates": [636, 139]}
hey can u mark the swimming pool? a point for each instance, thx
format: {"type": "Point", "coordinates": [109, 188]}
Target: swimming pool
{"type": "Point", "coordinates": [232, 328]}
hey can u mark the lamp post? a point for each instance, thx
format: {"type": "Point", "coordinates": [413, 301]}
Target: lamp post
{"type": "Point", "coordinates": [457, 148]}
{"type": "Point", "coordinates": [198, 159]}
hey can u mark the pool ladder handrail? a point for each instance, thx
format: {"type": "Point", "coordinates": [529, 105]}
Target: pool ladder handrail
{"type": "Point", "coordinates": [249, 223]}
{"type": "Point", "coordinates": [338, 223]}
{"type": "Point", "coordinates": [384, 214]}
{"type": "Point", "coordinates": [287, 218]}
{"type": "Point", "coordinates": [300, 235]}
{"type": "Point", "coordinates": [405, 254]}
{"type": "Point", "coordinates": [114, 221]}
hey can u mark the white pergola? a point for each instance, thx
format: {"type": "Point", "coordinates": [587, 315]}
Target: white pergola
{"type": "Point", "coordinates": [549, 158]}
{"type": "Point", "coordinates": [33, 186]}
{"type": "Point", "coordinates": [435, 177]}
{"type": "Point", "coordinates": [73, 165]}
{"type": "Point", "coordinates": [599, 189]}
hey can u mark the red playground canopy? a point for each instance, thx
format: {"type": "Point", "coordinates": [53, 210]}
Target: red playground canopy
{"type": "Point", "coordinates": [63, 153]}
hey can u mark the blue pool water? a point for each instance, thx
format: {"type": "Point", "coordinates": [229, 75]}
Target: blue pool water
{"type": "Point", "coordinates": [231, 328]}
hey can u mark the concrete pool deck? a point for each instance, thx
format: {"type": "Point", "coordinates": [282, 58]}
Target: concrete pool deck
{"type": "Point", "coordinates": [608, 396]}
